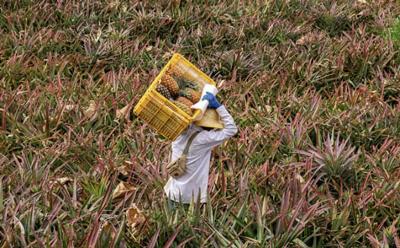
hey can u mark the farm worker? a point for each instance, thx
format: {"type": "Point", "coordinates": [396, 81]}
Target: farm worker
{"type": "Point", "coordinates": [210, 133]}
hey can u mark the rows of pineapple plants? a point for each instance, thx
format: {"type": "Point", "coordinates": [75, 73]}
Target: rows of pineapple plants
{"type": "Point", "coordinates": [313, 87]}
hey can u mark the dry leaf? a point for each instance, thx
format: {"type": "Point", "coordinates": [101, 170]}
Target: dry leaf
{"type": "Point", "coordinates": [167, 55]}
{"type": "Point", "coordinates": [91, 110]}
{"type": "Point", "coordinates": [69, 107]}
{"type": "Point", "coordinates": [268, 108]}
{"type": "Point", "coordinates": [299, 178]}
{"type": "Point", "coordinates": [310, 38]}
{"type": "Point", "coordinates": [136, 222]}
{"type": "Point", "coordinates": [121, 113]}
{"type": "Point", "coordinates": [63, 180]}
{"type": "Point", "coordinates": [123, 170]}
{"type": "Point", "coordinates": [57, 182]}
{"type": "Point", "coordinates": [134, 217]}
{"type": "Point", "coordinates": [121, 189]}
{"type": "Point", "coordinates": [109, 229]}
{"type": "Point", "coordinates": [175, 3]}
{"type": "Point", "coordinates": [302, 40]}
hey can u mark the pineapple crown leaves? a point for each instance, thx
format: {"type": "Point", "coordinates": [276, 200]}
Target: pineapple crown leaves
{"type": "Point", "coordinates": [187, 91]}
{"type": "Point", "coordinates": [333, 156]}
{"type": "Point", "coordinates": [184, 93]}
{"type": "Point", "coordinates": [184, 83]}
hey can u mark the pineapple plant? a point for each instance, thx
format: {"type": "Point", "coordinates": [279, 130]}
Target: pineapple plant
{"type": "Point", "coordinates": [184, 107]}
{"type": "Point", "coordinates": [164, 91]}
{"type": "Point", "coordinates": [191, 94]}
{"type": "Point", "coordinates": [170, 83]}
{"type": "Point", "coordinates": [185, 101]}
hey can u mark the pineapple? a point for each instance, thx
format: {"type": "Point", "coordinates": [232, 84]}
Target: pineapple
{"type": "Point", "coordinates": [176, 72]}
{"type": "Point", "coordinates": [163, 91]}
{"type": "Point", "coordinates": [170, 84]}
{"type": "Point", "coordinates": [184, 107]}
{"type": "Point", "coordinates": [185, 101]}
{"type": "Point", "coordinates": [191, 94]}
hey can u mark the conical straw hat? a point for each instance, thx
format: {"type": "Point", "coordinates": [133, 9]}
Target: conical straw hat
{"type": "Point", "coordinates": [210, 119]}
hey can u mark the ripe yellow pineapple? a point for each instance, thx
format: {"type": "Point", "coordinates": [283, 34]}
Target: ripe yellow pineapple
{"type": "Point", "coordinates": [184, 107]}
{"type": "Point", "coordinates": [171, 84]}
{"type": "Point", "coordinates": [185, 101]}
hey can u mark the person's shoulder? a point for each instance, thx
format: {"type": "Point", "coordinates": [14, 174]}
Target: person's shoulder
{"type": "Point", "coordinates": [203, 135]}
{"type": "Point", "coordinates": [199, 134]}
{"type": "Point", "coordinates": [178, 140]}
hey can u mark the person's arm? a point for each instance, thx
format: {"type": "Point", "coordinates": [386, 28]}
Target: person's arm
{"type": "Point", "coordinates": [216, 137]}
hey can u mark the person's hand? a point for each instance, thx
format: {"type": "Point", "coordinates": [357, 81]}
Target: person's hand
{"type": "Point", "coordinates": [212, 100]}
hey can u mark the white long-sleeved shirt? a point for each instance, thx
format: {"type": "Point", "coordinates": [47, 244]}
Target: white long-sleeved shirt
{"type": "Point", "coordinates": [195, 180]}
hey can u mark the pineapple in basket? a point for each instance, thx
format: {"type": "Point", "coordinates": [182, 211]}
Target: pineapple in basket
{"type": "Point", "coordinates": [190, 90]}
{"type": "Point", "coordinates": [170, 83]}
{"type": "Point", "coordinates": [185, 101]}
{"type": "Point", "coordinates": [191, 94]}
{"type": "Point", "coordinates": [164, 91]}
{"type": "Point", "coordinates": [182, 81]}
{"type": "Point", "coordinates": [184, 104]}
{"type": "Point", "coordinates": [183, 91]}
{"type": "Point", "coordinates": [175, 72]}
{"type": "Point", "coordinates": [183, 107]}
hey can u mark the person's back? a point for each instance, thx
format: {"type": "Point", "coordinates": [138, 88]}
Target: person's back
{"type": "Point", "coordinates": [195, 178]}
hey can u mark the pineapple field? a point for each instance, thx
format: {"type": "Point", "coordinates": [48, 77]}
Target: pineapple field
{"type": "Point", "coordinates": [313, 86]}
